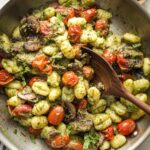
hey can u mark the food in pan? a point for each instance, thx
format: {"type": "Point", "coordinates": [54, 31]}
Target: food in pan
{"type": "Point", "coordinates": [48, 79]}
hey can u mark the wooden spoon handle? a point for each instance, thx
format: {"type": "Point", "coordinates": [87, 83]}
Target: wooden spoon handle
{"type": "Point", "coordinates": [137, 102]}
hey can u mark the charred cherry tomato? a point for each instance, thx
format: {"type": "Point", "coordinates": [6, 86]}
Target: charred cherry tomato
{"type": "Point", "coordinates": [5, 77]}
{"type": "Point", "coordinates": [56, 115]}
{"type": "Point", "coordinates": [89, 14]}
{"type": "Point", "coordinates": [109, 133]}
{"type": "Point", "coordinates": [109, 56]}
{"type": "Point", "coordinates": [74, 145]}
{"type": "Point", "coordinates": [83, 104]}
{"type": "Point", "coordinates": [101, 24]}
{"type": "Point", "coordinates": [70, 14]}
{"type": "Point", "coordinates": [40, 62]}
{"type": "Point", "coordinates": [124, 77]}
{"type": "Point", "coordinates": [34, 131]}
{"type": "Point", "coordinates": [21, 109]}
{"type": "Point", "coordinates": [126, 127]}
{"type": "Point", "coordinates": [70, 79]}
{"type": "Point", "coordinates": [78, 11]}
{"type": "Point", "coordinates": [59, 141]}
{"type": "Point", "coordinates": [48, 69]}
{"type": "Point", "coordinates": [34, 79]}
{"type": "Point", "coordinates": [88, 72]}
{"type": "Point", "coordinates": [122, 62]}
{"type": "Point", "coordinates": [74, 32]}
{"type": "Point", "coordinates": [45, 27]}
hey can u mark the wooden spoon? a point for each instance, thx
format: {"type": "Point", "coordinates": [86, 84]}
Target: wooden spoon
{"type": "Point", "coordinates": [105, 73]}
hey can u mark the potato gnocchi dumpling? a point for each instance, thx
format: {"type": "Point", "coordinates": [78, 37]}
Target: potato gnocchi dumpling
{"type": "Point", "coordinates": [49, 80]}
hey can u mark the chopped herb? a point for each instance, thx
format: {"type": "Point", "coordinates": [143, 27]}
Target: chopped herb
{"type": "Point", "coordinates": [32, 138]}
{"type": "Point", "coordinates": [90, 139]}
{"type": "Point", "coordinates": [69, 129]}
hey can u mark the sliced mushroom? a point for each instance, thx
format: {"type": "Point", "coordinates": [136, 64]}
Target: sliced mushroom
{"type": "Point", "coordinates": [30, 25]}
{"type": "Point", "coordinates": [26, 94]}
{"type": "Point", "coordinates": [70, 112]}
{"type": "Point", "coordinates": [83, 123]}
{"type": "Point", "coordinates": [32, 45]}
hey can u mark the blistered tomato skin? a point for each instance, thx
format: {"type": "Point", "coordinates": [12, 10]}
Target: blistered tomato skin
{"type": "Point", "coordinates": [89, 14]}
{"type": "Point", "coordinates": [34, 79]}
{"type": "Point", "coordinates": [126, 127]}
{"type": "Point", "coordinates": [109, 133]}
{"type": "Point", "coordinates": [109, 56]}
{"type": "Point", "coordinates": [56, 115]}
{"type": "Point", "coordinates": [59, 141]}
{"type": "Point", "coordinates": [70, 79]}
{"type": "Point", "coordinates": [5, 77]}
{"type": "Point", "coordinates": [88, 72]}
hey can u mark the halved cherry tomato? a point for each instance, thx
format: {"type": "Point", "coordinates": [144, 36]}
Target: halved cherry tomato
{"type": "Point", "coordinates": [70, 14]}
{"type": "Point", "coordinates": [59, 141]}
{"type": "Point", "coordinates": [89, 14]}
{"type": "Point", "coordinates": [34, 79]}
{"type": "Point", "coordinates": [48, 69]}
{"type": "Point", "coordinates": [124, 77]}
{"type": "Point", "coordinates": [70, 79]}
{"type": "Point", "coordinates": [122, 62]}
{"type": "Point", "coordinates": [40, 62]}
{"type": "Point", "coordinates": [56, 115]}
{"type": "Point", "coordinates": [45, 27]}
{"type": "Point", "coordinates": [78, 11]}
{"type": "Point", "coordinates": [126, 127]}
{"type": "Point", "coordinates": [108, 133]}
{"type": "Point", "coordinates": [34, 131]}
{"type": "Point", "coordinates": [74, 32]}
{"type": "Point", "coordinates": [74, 145]}
{"type": "Point", "coordinates": [101, 24]}
{"type": "Point", "coordinates": [110, 56]}
{"type": "Point", "coordinates": [21, 109]}
{"type": "Point", "coordinates": [83, 104]}
{"type": "Point", "coordinates": [88, 72]}
{"type": "Point", "coordinates": [5, 77]}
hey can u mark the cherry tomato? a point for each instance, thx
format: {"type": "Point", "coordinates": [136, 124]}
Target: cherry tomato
{"type": "Point", "coordinates": [74, 32]}
{"type": "Point", "coordinates": [70, 79]}
{"type": "Point", "coordinates": [88, 72]}
{"type": "Point", "coordinates": [56, 115]}
{"type": "Point", "coordinates": [122, 62]}
{"type": "Point", "coordinates": [34, 79]}
{"type": "Point", "coordinates": [83, 104]}
{"type": "Point", "coordinates": [70, 14]}
{"type": "Point", "coordinates": [45, 27]}
{"type": "Point", "coordinates": [109, 133]}
{"type": "Point", "coordinates": [89, 14]}
{"type": "Point", "coordinates": [21, 109]}
{"type": "Point", "coordinates": [126, 127]}
{"type": "Point", "coordinates": [5, 77]}
{"type": "Point", "coordinates": [34, 131]}
{"type": "Point", "coordinates": [59, 141]}
{"type": "Point", "coordinates": [48, 69]}
{"type": "Point", "coordinates": [78, 11]}
{"type": "Point", "coordinates": [74, 145]}
{"type": "Point", "coordinates": [101, 24]}
{"type": "Point", "coordinates": [109, 56]}
{"type": "Point", "coordinates": [124, 77]}
{"type": "Point", "coordinates": [41, 62]}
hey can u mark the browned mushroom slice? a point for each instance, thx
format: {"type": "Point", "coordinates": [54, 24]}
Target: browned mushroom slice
{"type": "Point", "coordinates": [70, 112]}
{"type": "Point", "coordinates": [26, 94]}
{"type": "Point", "coordinates": [30, 25]}
{"type": "Point", "coordinates": [32, 45]}
{"type": "Point", "coordinates": [83, 123]}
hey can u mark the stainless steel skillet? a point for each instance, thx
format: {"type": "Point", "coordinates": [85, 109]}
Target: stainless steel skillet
{"type": "Point", "coordinates": [128, 16]}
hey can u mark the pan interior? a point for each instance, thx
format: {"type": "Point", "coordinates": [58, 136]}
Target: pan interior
{"type": "Point", "coordinates": [126, 18]}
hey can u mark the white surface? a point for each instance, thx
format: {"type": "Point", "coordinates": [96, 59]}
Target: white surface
{"type": "Point", "coordinates": [146, 144]}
